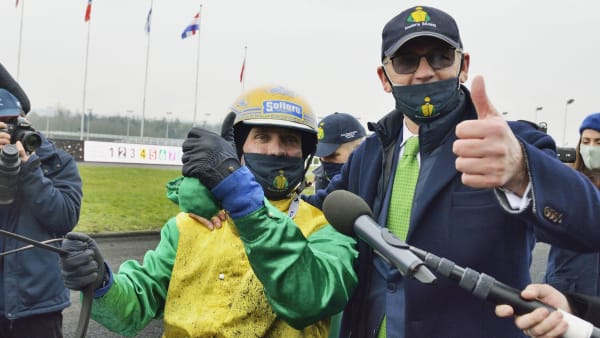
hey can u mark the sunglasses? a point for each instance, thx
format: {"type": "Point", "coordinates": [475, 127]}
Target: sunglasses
{"type": "Point", "coordinates": [438, 58]}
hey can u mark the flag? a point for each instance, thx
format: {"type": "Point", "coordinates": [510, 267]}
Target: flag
{"type": "Point", "coordinates": [88, 11]}
{"type": "Point", "coordinates": [148, 20]}
{"type": "Point", "coordinates": [242, 71]}
{"type": "Point", "coordinates": [193, 27]}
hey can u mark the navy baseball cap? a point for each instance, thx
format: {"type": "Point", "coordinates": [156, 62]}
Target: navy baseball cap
{"type": "Point", "coordinates": [9, 105]}
{"type": "Point", "coordinates": [416, 22]}
{"type": "Point", "coordinates": [335, 130]}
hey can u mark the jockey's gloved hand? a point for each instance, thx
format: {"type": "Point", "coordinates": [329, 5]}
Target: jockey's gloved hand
{"type": "Point", "coordinates": [208, 157]}
{"type": "Point", "coordinates": [227, 128]}
{"type": "Point", "coordinates": [83, 265]}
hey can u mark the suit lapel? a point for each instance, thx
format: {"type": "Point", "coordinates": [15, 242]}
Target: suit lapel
{"type": "Point", "coordinates": [437, 169]}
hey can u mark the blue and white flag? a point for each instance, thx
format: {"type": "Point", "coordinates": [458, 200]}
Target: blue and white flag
{"type": "Point", "coordinates": [192, 28]}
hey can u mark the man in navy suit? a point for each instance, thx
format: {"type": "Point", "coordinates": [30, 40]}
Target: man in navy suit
{"type": "Point", "coordinates": [486, 189]}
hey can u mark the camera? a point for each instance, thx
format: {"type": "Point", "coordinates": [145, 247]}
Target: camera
{"type": "Point", "coordinates": [566, 154]}
{"type": "Point", "coordinates": [21, 130]}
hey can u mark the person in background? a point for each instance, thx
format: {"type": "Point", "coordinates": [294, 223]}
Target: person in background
{"type": "Point", "coordinates": [544, 323]}
{"type": "Point", "coordinates": [339, 134]}
{"type": "Point", "coordinates": [40, 198]}
{"type": "Point", "coordinates": [484, 189]}
{"type": "Point", "coordinates": [275, 269]}
{"type": "Point", "coordinates": [568, 270]}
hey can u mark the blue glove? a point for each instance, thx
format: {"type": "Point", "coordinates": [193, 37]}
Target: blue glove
{"type": "Point", "coordinates": [83, 265]}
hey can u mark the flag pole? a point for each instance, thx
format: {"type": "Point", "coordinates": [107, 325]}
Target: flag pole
{"type": "Point", "coordinates": [242, 74]}
{"type": "Point", "coordinates": [85, 72]}
{"type": "Point", "coordinates": [149, 31]}
{"type": "Point", "coordinates": [197, 71]}
{"type": "Point", "coordinates": [20, 38]}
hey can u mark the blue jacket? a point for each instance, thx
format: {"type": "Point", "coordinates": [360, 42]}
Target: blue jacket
{"type": "Point", "coordinates": [46, 206]}
{"type": "Point", "coordinates": [571, 271]}
{"type": "Point", "coordinates": [472, 227]}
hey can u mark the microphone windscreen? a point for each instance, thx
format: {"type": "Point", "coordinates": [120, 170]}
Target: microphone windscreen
{"type": "Point", "coordinates": [7, 82]}
{"type": "Point", "coordinates": [342, 208]}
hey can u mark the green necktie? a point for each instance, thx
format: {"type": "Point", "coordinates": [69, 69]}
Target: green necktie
{"type": "Point", "coordinates": [403, 190]}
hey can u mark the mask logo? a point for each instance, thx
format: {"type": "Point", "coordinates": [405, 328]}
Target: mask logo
{"type": "Point", "coordinates": [427, 109]}
{"type": "Point", "coordinates": [419, 15]}
{"type": "Point", "coordinates": [280, 182]}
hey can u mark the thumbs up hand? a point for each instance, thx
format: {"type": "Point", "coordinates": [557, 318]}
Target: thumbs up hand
{"type": "Point", "coordinates": [488, 153]}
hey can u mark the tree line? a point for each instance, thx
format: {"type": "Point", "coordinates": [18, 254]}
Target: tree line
{"type": "Point", "coordinates": [66, 121]}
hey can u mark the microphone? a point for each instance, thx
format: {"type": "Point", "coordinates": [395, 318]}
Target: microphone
{"type": "Point", "coordinates": [486, 287]}
{"type": "Point", "coordinates": [350, 215]}
{"type": "Point", "coordinates": [7, 82]}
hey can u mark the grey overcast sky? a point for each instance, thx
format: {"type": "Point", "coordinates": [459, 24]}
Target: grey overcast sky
{"type": "Point", "coordinates": [533, 53]}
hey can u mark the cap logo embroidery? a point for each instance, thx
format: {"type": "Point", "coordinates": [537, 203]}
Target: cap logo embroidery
{"type": "Point", "coordinates": [418, 18]}
{"type": "Point", "coordinates": [349, 134]}
{"type": "Point", "coordinates": [320, 132]}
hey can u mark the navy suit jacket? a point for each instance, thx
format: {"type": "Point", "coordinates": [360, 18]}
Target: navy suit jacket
{"type": "Point", "coordinates": [475, 228]}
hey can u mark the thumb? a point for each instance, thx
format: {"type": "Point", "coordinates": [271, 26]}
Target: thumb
{"type": "Point", "coordinates": [482, 104]}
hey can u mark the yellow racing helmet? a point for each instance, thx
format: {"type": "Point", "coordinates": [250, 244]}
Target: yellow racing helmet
{"type": "Point", "coordinates": [274, 106]}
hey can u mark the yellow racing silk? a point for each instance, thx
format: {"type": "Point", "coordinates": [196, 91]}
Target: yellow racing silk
{"type": "Point", "coordinates": [213, 290]}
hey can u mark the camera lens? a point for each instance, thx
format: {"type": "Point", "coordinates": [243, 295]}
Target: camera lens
{"type": "Point", "coordinates": [31, 141]}
{"type": "Point", "coordinates": [9, 170]}
{"type": "Point", "coordinates": [10, 154]}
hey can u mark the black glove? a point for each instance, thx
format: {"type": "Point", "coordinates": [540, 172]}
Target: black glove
{"type": "Point", "coordinates": [227, 128]}
{"type": "Point", "coordinates": [84, 264]}
{"type": "Point", "coordinates": [208, 157]}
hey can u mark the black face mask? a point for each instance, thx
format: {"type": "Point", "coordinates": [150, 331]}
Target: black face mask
{"type": "Point", "coordinates": [332, 169]}
{"type": "Point", "coordinates": [278, 175]}
{"type": "Point", "coordinates": [427, 102]}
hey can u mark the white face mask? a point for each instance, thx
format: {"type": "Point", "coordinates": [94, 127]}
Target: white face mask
{"type": "Point", "coordinates": [590, 156]}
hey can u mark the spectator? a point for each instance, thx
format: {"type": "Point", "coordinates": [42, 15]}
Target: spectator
{"type": "Point", "coordinates": [276, 269]}
{"type": "Point", "coordinates": [40, 200]}
{"type": "Point", "coordinates": [484, 189]}
{"type": "Point", "coordinates": [568, 270]}
{"type": "Point", "coordinates": [339, 134]}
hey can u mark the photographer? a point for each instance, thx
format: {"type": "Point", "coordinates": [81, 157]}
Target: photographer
{"type": "Point", "coordinates": [40, 198]}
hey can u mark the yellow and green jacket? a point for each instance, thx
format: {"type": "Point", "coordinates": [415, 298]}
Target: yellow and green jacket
{"type": "Point", "coordinates": [204, 283]}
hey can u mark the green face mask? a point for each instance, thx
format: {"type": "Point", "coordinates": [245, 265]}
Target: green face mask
{"type": "Point", "coordinates": [590, 156]}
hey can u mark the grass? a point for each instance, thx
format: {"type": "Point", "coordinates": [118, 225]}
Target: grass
{"type": "Point", "coordinates": [124, 198]}
{"type": "Point", "coordinates": [119, 198]}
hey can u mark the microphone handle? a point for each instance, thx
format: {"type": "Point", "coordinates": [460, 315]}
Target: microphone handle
{"type": "Point", "coordinates": [486, 287]}
{"type": "Point", "coordinates": [501, 293]}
